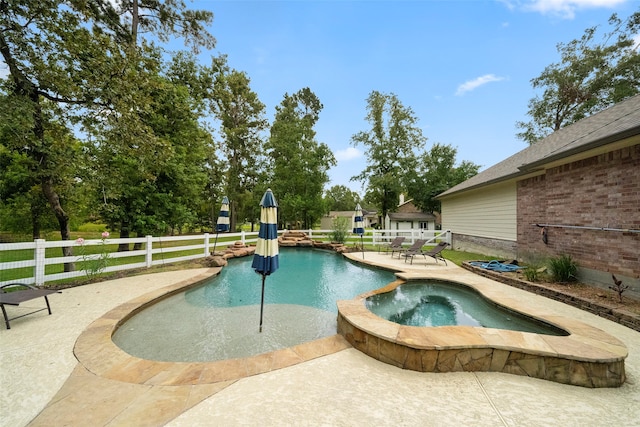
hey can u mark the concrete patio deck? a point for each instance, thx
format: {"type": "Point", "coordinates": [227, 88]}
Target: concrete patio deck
{"type": "Point", "coordinates": [323, 383]}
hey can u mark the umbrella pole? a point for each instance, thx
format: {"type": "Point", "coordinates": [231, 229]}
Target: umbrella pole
{"type": "Point", "coordinates": [215, 243]}
{"type": "Point", "coordinates": [362, 244]}
{"type": "Point", "coordinates": [262, 302]}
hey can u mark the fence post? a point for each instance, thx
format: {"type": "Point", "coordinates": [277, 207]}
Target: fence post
{"type": "Point", "coordinates": [206, 245]}
{"type": "Point", "coordinates": [39, 256]}
{"type": "Point", "coordinates": [310, 234]}
{"type": "Point", "coordinates": [242, 237]}
{"type": "Point", "coordinates": [149, 249]}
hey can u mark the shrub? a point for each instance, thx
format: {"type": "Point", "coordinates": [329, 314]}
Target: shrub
{"type": "Point", "coordinates": [563, 268]}
{"type": "Point", "coordinates": [534, 267]}
{"type": "Point", "coordinates": [340, 230]}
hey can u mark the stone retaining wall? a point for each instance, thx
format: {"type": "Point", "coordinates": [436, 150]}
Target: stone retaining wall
{"type": "Point", "coordinates": [621, 316]}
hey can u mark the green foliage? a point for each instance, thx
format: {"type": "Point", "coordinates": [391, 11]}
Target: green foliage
{"type": "Point", "coordinates": [435, 172]}
{"type": "Point", "coordinates": [299, 164]}
{"type": "Point", "coordinates": [241, 116]}
{"type": "Point", "coordinates": [563, 268]}
{"type": "Point", "coordinates": [340, 198]}
{"type": "Point", "coordinates": [534, 266]}
{"type": "Point", "coordinates": [85, 63]}
{"type": "Point", "coordinates": [340, 230]}
{"type": "Point", "coordinates": [94, 264]}
{"type": "Point", "coordinates": [91, 227]}
{"type": "Point", "coordinates": [591, 76]}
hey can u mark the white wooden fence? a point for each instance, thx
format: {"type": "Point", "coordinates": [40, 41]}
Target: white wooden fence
{"type": "Point", "coordinates": [158, 251]}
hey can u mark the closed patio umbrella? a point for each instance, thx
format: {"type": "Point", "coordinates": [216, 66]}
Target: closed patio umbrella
{"type": "Point", "coordinates": [265, 259]}
{"type": "Point", "coordinates": [223, 220]}
{"type": "Point", "coordinates": [358, 226]}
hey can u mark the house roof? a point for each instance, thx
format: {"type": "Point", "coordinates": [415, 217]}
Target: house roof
{"type": "Point", "coordinates": [411, 216]}
{"type": "Point", "coordinates": [616, 123]}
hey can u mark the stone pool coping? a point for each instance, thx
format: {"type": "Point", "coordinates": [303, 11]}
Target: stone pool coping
{"type": "Point", "coordinates": [97, 352]}
{"type": "Point", "coordinates": [588, 357]}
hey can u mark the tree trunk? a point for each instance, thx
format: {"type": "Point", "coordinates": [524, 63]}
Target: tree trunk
{"type": "Point", "coordinates": [62, 217]}
{"type": "Point", "coordinates": [124, 234]}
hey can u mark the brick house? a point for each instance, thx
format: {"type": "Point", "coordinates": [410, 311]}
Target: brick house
{"type": "Point", "coordinates": [579, 188]}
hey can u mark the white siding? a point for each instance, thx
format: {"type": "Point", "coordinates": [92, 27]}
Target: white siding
{"type": "Point", "coordinates": [487, 212]}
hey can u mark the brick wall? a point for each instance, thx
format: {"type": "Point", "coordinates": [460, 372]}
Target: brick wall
{"type": "Point", "coordinates": [601, 191]}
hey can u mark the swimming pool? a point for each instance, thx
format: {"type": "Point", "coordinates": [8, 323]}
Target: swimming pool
{"type": "Point", "coordinates": [219, 320]}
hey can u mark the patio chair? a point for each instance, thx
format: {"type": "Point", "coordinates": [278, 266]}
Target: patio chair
{"type": "Point", "coordinates": [393, 245]}
{"type": "Point", "coordinates": [433, 253]}
{"type": "Point", "coordinates": [416, 246]}
{"type": "Point", "coordinates": [15, 297]}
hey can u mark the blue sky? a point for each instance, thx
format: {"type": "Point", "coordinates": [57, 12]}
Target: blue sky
{"type": "Point", "coordinates": [463, 67]}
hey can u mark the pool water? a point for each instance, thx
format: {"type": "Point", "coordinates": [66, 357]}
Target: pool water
{"type": "Point", "coordinates": [445, 304]}
{"type": "Point", "coordinates": [219, 320]}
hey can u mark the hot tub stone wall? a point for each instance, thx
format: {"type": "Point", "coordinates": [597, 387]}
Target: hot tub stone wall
{"type": "Point", "coordinates": [585, 374]}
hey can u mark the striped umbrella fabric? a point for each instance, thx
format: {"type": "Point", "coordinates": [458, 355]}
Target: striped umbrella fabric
{"type": "Point", "coordinates": [358, 222]}
{"type": "Point", "coordinates": [223, 217]}
{"type": "Point", "coordinates": [265, 259]}
{"type": "Point", "coordinates": [358, 226]}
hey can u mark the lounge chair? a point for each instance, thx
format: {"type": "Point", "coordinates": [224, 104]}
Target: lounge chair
{"type": "Point", "coordinates": [433, 253]}
{"type": "Point", "coordinates": [393, 245]}
{"type": "Point", "coordinates": [416, 246]}
{"type": "Point", "coordinates": [18, 296]}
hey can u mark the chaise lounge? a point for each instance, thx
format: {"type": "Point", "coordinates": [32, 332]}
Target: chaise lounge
{"type": "Point", "coordinates": [16, 297]}
{"type": "Point", "coordinates": [416, 246]}
{"type": "Point", "coordinates": [433, 253]}
{"type": "Point", "coordinates": [393, 245]}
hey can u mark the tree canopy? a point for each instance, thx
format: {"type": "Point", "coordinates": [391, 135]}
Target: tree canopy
{"type": "Point", "coordinates": [391, 146]}
{"type": "Point", "coordinates": [299, 164]}
{"type": "Point", "coordinates": [593, 74]}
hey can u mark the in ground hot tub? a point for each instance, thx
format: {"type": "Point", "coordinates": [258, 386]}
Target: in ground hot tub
{"type": "Point", "coordinates": [580, 355]}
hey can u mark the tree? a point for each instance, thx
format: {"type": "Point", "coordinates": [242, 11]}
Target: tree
{"type": "Point", "coordinates": [299, 164]}
{"type": "Point", "coordinates": [341, 198]}
{"type": "Point", "coordinates": [153, 176]}
{"type": "Point", "coordinates": [591, 76]}
{"type": "Point", "coordinates": [390, 145]}
{"type": "Point", "coordinates": [435, 172]}
{"type": "Point", "coordinates": [241, 116]}
{"type": "Point", "coordinates": [74, 54]}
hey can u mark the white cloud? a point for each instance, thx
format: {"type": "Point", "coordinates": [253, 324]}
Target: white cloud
{"type": "Point", "coordinates": [476, 83]}
{"type": "Point", "coordinates": [564, 8]}
{"type": "Point", "coordinates": [348, 154]}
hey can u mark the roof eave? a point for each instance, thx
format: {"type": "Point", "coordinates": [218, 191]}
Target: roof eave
{"type": "Point", "coordinates": [629, 133]}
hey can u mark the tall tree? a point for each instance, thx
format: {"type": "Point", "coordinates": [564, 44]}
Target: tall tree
{"type": "Point", "coordinates": [71, 53]}
{"type": "Point", "coordinates": [299, 163]}
{"type": "Point", "coordinates": [43, 45]}
{"type": "Point", "coordinates": [242, 122]}
{"type": "Point", "coordinates": [435, 172]}
{"type": "Point", "coordinates": [591, 76]}
{"type": "Point", "coordinates": [153, 175]}
{"type": "Point", "coordinates": [391, 146]}
{"type": "Point", "coordinates": [128, 126]}
{"type": "Point", "coordinates": [341, 198]}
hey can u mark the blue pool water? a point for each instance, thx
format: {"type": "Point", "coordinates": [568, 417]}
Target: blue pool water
{"type": "Point", "coordinates": [219, 320]}
{"type": "Point", "coordinates": [443, 304]}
